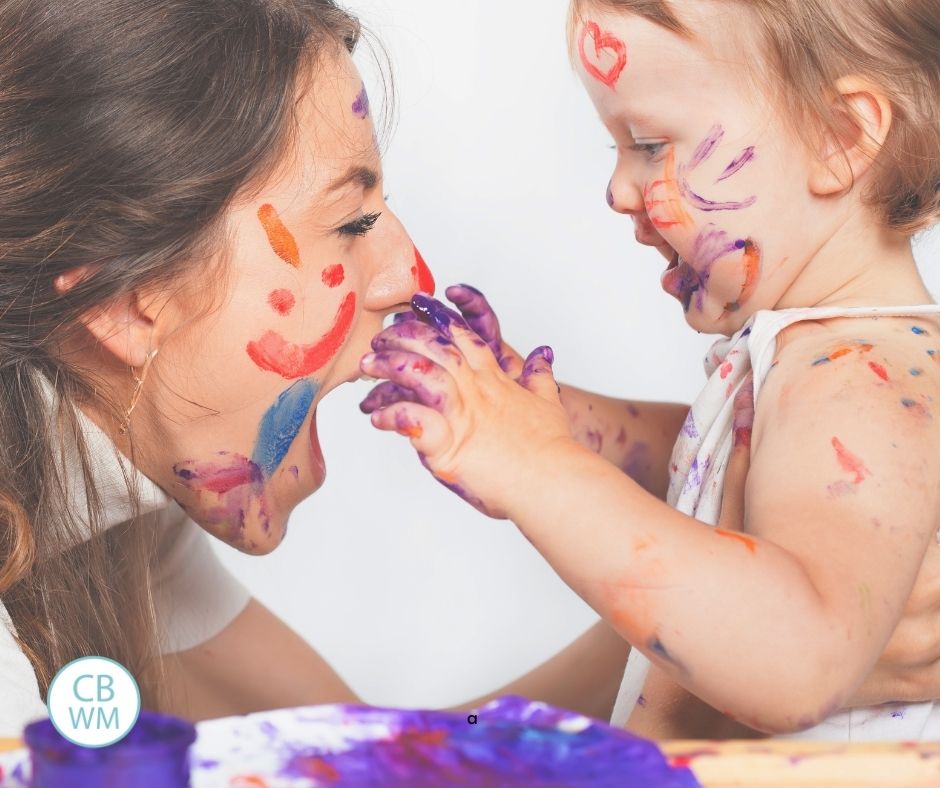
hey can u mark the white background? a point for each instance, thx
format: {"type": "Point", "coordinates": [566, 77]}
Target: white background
{"type": "Point", "coordinates": [499, 169]}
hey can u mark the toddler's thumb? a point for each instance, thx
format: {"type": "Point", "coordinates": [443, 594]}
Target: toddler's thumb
{"type": "Point", "coordinates": [537, 375]}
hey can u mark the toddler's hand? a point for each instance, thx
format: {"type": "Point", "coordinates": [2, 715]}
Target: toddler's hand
{"type": "Point", "coordinates": [476, 429]}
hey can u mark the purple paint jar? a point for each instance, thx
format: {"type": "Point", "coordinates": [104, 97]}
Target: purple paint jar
{"type": "Point", "coordinates": [154, 754]}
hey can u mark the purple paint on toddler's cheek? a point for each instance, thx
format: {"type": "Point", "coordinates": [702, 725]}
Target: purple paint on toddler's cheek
{"type": "Point", "coordinates": [738, 164]}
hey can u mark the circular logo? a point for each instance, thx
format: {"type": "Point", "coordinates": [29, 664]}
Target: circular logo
{"type": "Point", "coordinates": [93, 701]}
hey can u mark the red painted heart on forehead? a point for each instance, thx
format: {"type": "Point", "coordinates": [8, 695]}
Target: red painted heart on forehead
{"type": "Point", "coordinates": [604, 42]}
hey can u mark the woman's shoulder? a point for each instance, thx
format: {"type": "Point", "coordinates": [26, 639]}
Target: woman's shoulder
{"type": "Point", "coordinates": [18, 686]}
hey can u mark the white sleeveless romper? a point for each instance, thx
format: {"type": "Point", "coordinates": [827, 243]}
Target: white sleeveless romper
{"type": "Point", "coordinates": [696, 477]}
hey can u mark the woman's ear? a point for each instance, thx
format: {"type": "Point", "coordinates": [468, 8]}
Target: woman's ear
{"type": "Point", "coordinates": [127, 326]}
{"type": "Point", "coordinates": [858, 138]}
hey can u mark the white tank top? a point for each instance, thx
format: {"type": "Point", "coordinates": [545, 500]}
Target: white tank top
{"type": "Point", "coordinates": [696, 477]}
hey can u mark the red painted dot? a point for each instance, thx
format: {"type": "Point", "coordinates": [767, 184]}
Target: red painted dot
{"type": "Point", "coordinates": [726, 369]}
{"type": "Point", "coordinates": [334, 276]}
{"type": "Point", "coordinates": [282, 301]}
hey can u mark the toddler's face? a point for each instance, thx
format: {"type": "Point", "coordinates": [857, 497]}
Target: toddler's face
{"type": "Point", "coordinates": [704, 168]}
{"type": "Point", "coordinates": [314, 270]}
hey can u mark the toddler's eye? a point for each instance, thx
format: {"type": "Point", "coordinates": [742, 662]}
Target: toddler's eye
{"type": "Point", "coordinates": [360, 226]}
{"type": "Point", "coordinates": [649, 148]}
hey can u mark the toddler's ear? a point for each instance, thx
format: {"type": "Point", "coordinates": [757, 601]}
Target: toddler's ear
{"type": "Point", "coordinates": [863, 114]}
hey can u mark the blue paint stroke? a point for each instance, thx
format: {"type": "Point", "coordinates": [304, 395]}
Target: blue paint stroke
{"type": "Point", "coordinates": [282, 423]}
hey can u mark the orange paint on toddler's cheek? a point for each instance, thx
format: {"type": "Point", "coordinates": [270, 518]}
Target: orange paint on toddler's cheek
{"type": "Point", "coordinates": [666, 193]}
{"type": "Point", "coordinates": [280, 238]}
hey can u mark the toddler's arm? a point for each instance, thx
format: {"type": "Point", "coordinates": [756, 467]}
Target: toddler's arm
{"type": "Point", "coordinates": [776, 627]}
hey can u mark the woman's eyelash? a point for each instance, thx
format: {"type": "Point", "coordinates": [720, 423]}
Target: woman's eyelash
{"type": "Point", "coordinates": [360, 226]}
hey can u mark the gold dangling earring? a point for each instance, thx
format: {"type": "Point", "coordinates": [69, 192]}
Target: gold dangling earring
{"type": "Point", "coordinates": [125, 425]}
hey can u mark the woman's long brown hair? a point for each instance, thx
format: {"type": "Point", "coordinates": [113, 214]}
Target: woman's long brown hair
{"type": "Point", "coordinates": [126, 130]}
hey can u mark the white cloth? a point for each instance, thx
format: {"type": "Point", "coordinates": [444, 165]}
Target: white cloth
{"type": "Point", "coordinates": [696, 479]}
{"type": "Point", "coordinates": [196, 597]}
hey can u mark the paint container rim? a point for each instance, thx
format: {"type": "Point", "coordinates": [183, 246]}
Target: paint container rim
{"type": "Point", "coordinates": [154, 735]}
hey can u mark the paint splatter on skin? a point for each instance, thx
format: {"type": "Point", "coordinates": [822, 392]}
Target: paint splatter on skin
{"type": "Point", "coordinates": [879, 370]}
{"type": "Point", "coordinates": [423, 278]}
{"type": "Point", "coordinates": [749, 543]}
{"type": "Point", "coordinates": [752, 269]}
{"type": "Point", "coordinates": [850, 462]}
{"type": "Point", "coordinates": [656, 646]}
{"type": "Point", "coordinates": [282, 301]}
{"type": "Point", "coordinates": [606, 46]}
{"type": "Point", "coordinates": [281, 425]}
{"type": "Point", "coordinates": [280, 238]}
{"type": "Point", "coordinates": [238, 484]}
{"type": "Point", "coordinates": [333, 276]}
{"type": "Point", "coordinates": [738, 164]}
{"type": "Point", "coordinates": [273, 353]}
{"type": "Point", "coordinates": [594, 440]}
{"type": "Point", "coordinates": [638, 464]}
{"type": "Point", "coordinates": [917, 408]}
{"type": "Point", "coordinates": [665, 192]}
{"type": "Point", "coordinates": [690, 279]}
{"type": "Point", "coordinates": [920, 331]}
{"type": "Point", "coordinates": [916, 372]}
{"type": "Point", "coordinates": [843, 350]}
{"type": "Point", "coordinates": [702, 153]}
{"type": "Point", "coordinates": [360, 106]}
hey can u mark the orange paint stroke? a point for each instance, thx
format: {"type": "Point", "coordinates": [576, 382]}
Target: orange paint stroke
{"type": "Point", "coordinates": [672, 213]}
{"type": "Point", "coordinates": [850, 462]}
{"type": "Point", "coordinates": [273, 353]}
{"type": "Point", "coordinates": [749, 543]}
{"type": "Point", "coordinates": [280, 238]}
{"type": "Point", "coordinates": [412, 432]}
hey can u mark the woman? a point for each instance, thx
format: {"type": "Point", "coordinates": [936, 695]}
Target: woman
{"type": "Point", "coordinates": [195, 251]}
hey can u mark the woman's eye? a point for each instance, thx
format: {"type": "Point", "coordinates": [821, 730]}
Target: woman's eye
{"type": "Point", "coordinates": [360, 226]}
{"type": "Point", "coordinates": [649, 148]}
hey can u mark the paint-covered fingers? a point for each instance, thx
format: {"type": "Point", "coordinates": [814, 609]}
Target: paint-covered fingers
{"type": "Point", "coordinates": [453, 327]}
{"type": "Point", "coordinates": [415, 336]}
{"type": "Point", "coordinates": [537, 375]}
{"type": "Point", "coordinates": [428, 430]}
{"type": "Point", "coordinates": [385, 394]}
{"type": "Point", "coordinates": [732, 498]}
{"type": "Point", "coordinates": [430, 384]}
{"type": "Point", "coordinates": [480, 316]}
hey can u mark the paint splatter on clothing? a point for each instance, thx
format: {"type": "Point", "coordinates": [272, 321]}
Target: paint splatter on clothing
{"type": "Point", "coordinates": [696, 477]}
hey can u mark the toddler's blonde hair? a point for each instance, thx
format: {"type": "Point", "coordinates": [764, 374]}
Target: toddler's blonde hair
{"type": "Point", "coordinates": [808, 44]}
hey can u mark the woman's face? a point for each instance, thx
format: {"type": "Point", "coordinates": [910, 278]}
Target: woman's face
{"type": "Point", "coordinates": [704, 167]}
{"type": "Point", "coordinates": [318, 261]}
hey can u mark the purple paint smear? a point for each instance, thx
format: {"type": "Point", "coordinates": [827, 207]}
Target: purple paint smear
{"type": "Point", "coordinates": [702, 153]}
{"type": "Point", "coordinates": [360, 106]}
{"type": "Point", "coordinates": [514, 742]}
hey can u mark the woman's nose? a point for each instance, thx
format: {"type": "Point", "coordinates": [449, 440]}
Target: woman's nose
{"type": "Point", "coordinates": [399, 270]}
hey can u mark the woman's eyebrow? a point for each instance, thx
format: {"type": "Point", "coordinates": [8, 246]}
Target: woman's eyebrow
{"type": "Point", "coordinates": [364, 176]}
